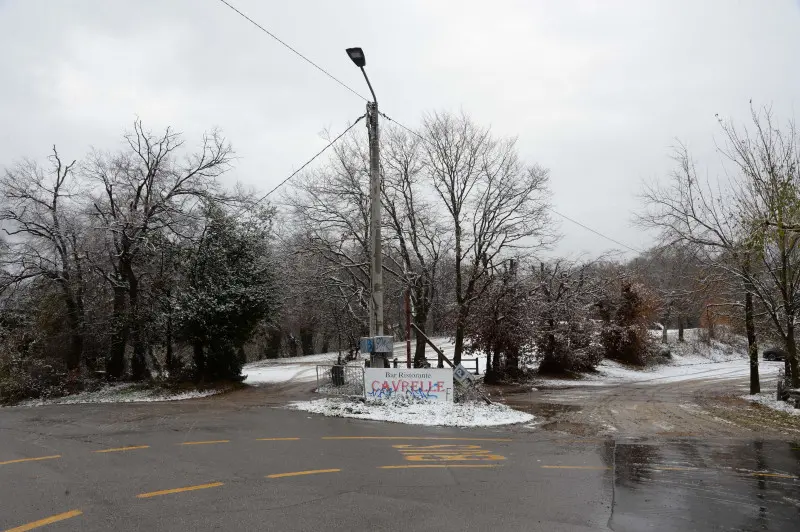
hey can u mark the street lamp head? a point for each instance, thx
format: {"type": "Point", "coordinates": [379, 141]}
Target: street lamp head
{"type": "Point", "coordinates": [357, 56]}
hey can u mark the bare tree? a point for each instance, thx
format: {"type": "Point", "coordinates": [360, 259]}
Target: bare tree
{"type": "Point", "coordinates": [768, 159]}
{"type": "Point", "coordinates": [494, 203]}
{"type": "Point", "coordinates": [417, 234]}
{"type": "Point", "coordinates": [146, 190]}
{"type": "Point", "coordinates": [43, 222]}
{"type": "Point", "coordinates": [690, 211]}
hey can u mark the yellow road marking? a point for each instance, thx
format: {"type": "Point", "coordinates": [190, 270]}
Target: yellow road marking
{"type": "Point", "coordinates": [20, 460]}
{"type": "Point", "coordinates": [277, 439]}
{"type": "Point", "coordinates": [122, 449]}
{"type": "Point", "coordinates": [776, 475]}
{"type": "Point", "coordinates": [573, 467]}
{"type": "Point", "coordinates": [209, 442]}
{"type": "Point", "coordinates": [410, 438]}
{"type": "Point", "coordinates": [299, 473]}
{"type": "Point", "coordinates": [436, 466]}
{"type": "Point", "coordinates": [46, 521]}
{"type": "Point", "coordinates": [179, 490]}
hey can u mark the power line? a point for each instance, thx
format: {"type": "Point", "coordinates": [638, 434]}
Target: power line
{"type": "Point", "coordinates": [309, 61]}
{"type": "Point", "coordinates": [337, 80]}
{"type": "Point", "coordinates": [320, 152]}
{"type": "Point", "coordinates": [598, 233]}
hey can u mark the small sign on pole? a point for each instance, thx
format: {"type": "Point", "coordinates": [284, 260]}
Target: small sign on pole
{"type": "Point", "coordinates": [462, 375]}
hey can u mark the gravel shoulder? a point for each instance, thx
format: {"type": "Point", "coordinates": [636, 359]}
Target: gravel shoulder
{"type": "Point", "coordinates": [689, 408]}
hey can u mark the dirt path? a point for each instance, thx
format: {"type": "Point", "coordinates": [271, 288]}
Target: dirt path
{"type": "Point", "coordinates": [696, 407]}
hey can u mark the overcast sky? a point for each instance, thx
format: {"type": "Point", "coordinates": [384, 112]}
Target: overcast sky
{"type": "Point", "coordinates": [596, 91]}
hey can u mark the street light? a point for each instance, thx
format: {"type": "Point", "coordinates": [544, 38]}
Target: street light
{"type": "Point", "coordinates": [358, 57]}
{"type": "Point", "coordinates": [378, 343]}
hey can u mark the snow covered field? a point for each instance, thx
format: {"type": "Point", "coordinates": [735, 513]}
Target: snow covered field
{"type": "Point", "coordinates": [121, 393]}
{"type": "Point", "coordinates": [413, 413]}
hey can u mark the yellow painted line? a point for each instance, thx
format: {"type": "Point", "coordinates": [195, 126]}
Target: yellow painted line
{"type": "Point", "coordinates": [277, 439]}
{"type": "Point", "coordinates": [775, 475]}
{"type": "Point", "coordinates": [123, 449]}
{"type": "Point", "coordinates": [410, 438]}
{"type": "Point", "coordinates": [432, 466]}
{"type": "Point", "coordinates": [209, 442]}
{"type": "Point", "coordinates": [179, 490]}
{"type": "Point", "coordinates": [299, 473]}
{"type": "Point", "coordinates": [20, 460]}
{"type": "Point", "coordinates": [574, 467]}
{"type": "Point", "coordinates": [46, 521]}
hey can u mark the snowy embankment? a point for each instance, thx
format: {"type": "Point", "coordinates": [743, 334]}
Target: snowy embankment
{"type": "Point", "coordinates": [122, 393]}
{"type": "Point", "coordinates": [768, 399]}
{"type": "Point", "coordinates": [692, 360]}
{"type": "Point", "coordinates": [414, 413]}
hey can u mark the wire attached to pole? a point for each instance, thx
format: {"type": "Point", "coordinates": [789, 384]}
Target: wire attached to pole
{"type": "Point", "coordinates": [320, 152]}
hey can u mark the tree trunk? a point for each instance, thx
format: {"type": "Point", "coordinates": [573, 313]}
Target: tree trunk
{"type": "Point", "coordinates": [307, 341]}
{"type": "Point", "coordinates": [199, 359]}
{"type": "Point", "coordinates": [139, 371]}
{"type": "Point", "coordinates": [169, 358]}
{"type": "Point", "coordinates": [752, 346]}
{"type": "Point", "coordinates": [72, 355]}
{"type": "Point", "coordinates": [459, 341]}
{"type": "Point", "coordinates": [420, 318]}
{"type": "Point", "coordinates": [115, 363]}
{"type": "Point", "coordinates": [680, 328]}
{"type": "Point", "coordinates": [791, 349]}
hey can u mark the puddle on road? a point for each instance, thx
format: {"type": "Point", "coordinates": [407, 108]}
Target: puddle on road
{"type": "Point", "coordinates": [696, 485]}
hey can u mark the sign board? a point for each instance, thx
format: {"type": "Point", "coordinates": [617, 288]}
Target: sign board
{"type": "Point", "coordinates": [431, 385]}
{"type": "Point", "coordinates": [461, 374]}
{"type": "Point", "coordinates": [377, 344]}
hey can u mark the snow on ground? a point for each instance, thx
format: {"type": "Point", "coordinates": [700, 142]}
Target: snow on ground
{"type": "Point", "coordinates": [304, 368]}
{"type": "Point", "coordinates": [768, 399]}
{"type": "Point", "coordinates": [415, 413]}
{"type": "Point", "coordinates": [122, 393]}
{"type": "Point", "coordinates": [691, 360]}
{"type": "Point", "coordinates": [279, 373]}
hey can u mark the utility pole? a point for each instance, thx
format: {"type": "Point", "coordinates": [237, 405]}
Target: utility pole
{"type": "Point", "coordinates": [376, 264]}
{"type": "Point", "coordinates": [380, 346]}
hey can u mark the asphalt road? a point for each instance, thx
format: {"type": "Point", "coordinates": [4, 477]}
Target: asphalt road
{"type": "Point", "coordinates": [231, 463]}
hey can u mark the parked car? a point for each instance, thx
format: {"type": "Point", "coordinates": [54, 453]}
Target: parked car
{"type": "Point", "coordinates": [775, 353]}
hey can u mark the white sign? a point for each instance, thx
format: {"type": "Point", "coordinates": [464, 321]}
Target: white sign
{"type": "Point", "coordinates": [433, 385]}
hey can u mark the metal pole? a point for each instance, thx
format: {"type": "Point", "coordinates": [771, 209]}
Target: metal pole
{"type": "Point", "coordinates": [408, 327]}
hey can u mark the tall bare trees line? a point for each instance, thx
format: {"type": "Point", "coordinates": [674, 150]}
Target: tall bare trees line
{"type": "Point", "coordinates": [456, 198]}
{"type": "Point", "coordinates": [743, 225]}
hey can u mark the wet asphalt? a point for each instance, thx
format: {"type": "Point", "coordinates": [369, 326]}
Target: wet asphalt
{"type": "Point", "coordinates": [243, 463]}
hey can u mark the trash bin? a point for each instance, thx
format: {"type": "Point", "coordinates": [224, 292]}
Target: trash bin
{"type": "Point", "coordinates": [337, 375]}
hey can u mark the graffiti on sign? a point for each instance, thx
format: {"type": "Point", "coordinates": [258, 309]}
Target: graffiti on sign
{"type": "Point", "coordinates": [435, 385]}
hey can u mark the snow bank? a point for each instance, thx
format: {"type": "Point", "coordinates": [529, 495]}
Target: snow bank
{"type": "Point", "coordinates": [417, 413]}
{"type": "Point", "coordinates": [689, 362]}
{"type": "Point", "coordinates": [122, 393]}
{"type": "Point", "coordinates": [769, 400]}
